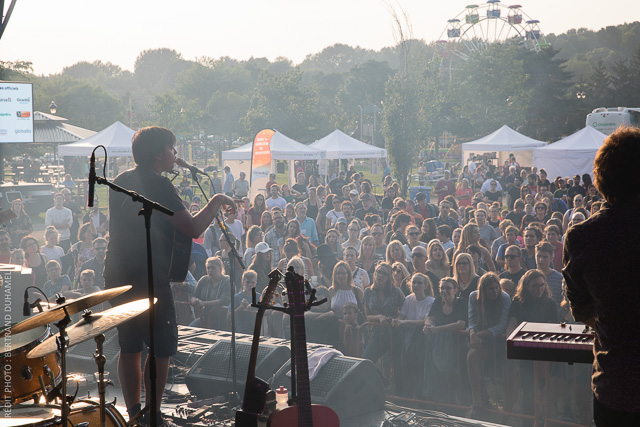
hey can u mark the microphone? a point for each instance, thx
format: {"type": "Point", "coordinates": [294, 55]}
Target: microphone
{"type": "Point", "coordinates": [92, 179]}
{"type": "Point", "coordinates": [184, 164]}
{"type": "Point", "coordinates": [26, 309]}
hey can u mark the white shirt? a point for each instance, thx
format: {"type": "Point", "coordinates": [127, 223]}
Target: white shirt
{"type": "Point", "coordinates": [413, 309]}
{"type": "Point", "coordinates": [273, 203]}
{"type": "Point", "coordinates": [472, 166]}
{"type": "Point", "coordinates": [60, 215]}
{"type": "Point", "coordinates": [360, 278]}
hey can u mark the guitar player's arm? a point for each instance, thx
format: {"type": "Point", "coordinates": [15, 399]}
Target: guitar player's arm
{"type": "Point", "coordinates": [194, 226]}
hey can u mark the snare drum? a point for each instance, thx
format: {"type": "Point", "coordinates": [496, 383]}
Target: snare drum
{"type": "Point", "coordinates": [19, 377]}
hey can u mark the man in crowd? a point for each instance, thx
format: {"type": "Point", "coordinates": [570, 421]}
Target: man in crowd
{"type": "Point", "coordinates": [336, 184]}
{"type": "Point", "coordinates": [561, 191]}
{"type": "Point", "coordinates": [443, 218]}
{"type": "Point", "coordinates": [5, 247]}
{"type": "Point", "coordinates": [228, 181]}
{"type": "Point", "coordinates": [532, 236]}
{"type": "Point", "coordinates": [275, 201]}
{"type": "Point", "coordinates": [99, 220]}
{"type": "Point", "coordinates": [275, 235]}
{"type": "Point", "coordinates": [378, 236]}
{"type": "Point", "coordinates": [576, 189]}
{"type": "Point", "coordinates": [75, 211]}
{"type": "Point", "coordinates": [513, 267]}
{"type": "Point", "coordinates": [544, 256]}
{"type": "Point", "coordinates": [272, 180]}
{"type": "Point", "coordinates": [445, 187]}
{"type": "Point", "coordinates": [366, 207]}
{"type": "Point", "coordinates": [307, 225]}
{"type": "Point", "coordinates": [443, 233]}
{"type": "Point", "coordinates": [62, 219]}
{"type": "Point", "coordinates": [299, 189]}
{"type": "Point", "coordinates": [97, 262]}
{"type": "Point", "coordinates": [240, 187]}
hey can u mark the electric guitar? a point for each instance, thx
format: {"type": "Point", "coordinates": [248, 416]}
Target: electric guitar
{"type": "Point", "coordinates": [303, 414]}
{"type": "Point", "coordinates": [256, 389]}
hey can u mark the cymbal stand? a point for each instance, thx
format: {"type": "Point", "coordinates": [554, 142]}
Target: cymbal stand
{"type": "Point", "coordinates": [100, 360]}
{"type": "Point", "coordinates": [62, 340]}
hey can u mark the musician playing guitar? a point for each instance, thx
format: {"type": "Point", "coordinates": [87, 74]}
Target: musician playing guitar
{"type": "Point", "coordinates": [154, 153]}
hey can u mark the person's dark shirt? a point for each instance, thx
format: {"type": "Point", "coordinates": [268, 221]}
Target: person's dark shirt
{"type": "Point", "coordinates": [98, 269]}
{"type": "Point", "coordinates": [514, 194]}
{"type": "Point", "coordinates": [125, 259]}
{"type": "Point", "coordinates": [77, 212]}
{"type": "Point", "coordinates": [516, 217]}
{"type": "Point", "coordinates": [300, 188]}
{"type": "Point", "coordinates": [473, 286]}
{"type": "Point", "coordinates": [574, 191]}
{"type": "Point", "coordinates": [446, 221]}
{"type": "Point", "coordinates": [336, 185]}
{"type": "Point", "coordinates": [515, 277]}
{"type": "Point", "coordinates": [361, 213]}
{"type": "Point", "coordinates": [459, 312]}
{"type": "Point", "coordinates": [601, 274]}
{"type": "Point", "coordinates": [543, 310]}
{"type": "Point", "coordinates": [493, 197]}
{"type": "Point", "coordinates": [387, 202]}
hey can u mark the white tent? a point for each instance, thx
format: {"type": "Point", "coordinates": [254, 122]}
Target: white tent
{"type": "Point", "coordinates": [503, 142]}
{"type": "Point", "coordinates": [339, 145]}
{"type": "Point", "coordinates": [282, 148]}
{"type": "Point", "coordinates": [571, 155]}
{"type": "Point", "coordinates": [116, 139]}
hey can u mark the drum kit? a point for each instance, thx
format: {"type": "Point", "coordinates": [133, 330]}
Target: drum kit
{"type": "Point", "coordinates": [33, 363]}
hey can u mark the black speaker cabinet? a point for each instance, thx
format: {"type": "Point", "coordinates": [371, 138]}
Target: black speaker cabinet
{"type": "Point", "coordinates": [349, 386]}
{"type": "Point", "coordinates": [211, 375]}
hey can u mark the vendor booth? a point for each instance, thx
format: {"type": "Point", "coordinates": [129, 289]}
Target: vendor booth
{"type": "Point", "coordinates": [503, 142]}
{"type": "Point", "coordinates": [571, 155]}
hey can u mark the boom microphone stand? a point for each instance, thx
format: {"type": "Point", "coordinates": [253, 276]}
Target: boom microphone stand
{"type": "Point", "coordinates": [234, 257]}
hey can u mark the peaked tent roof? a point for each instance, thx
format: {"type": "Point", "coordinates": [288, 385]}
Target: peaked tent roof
{"type": "Point", "coordinates": [282, 148]}
{"type": "Point", "coordinates": [49, 129]}
{"type": "Point", "coordinates": [339, 145]}
{"type": "Point", "coordinates": [571, 155]}
{"type": "Point", "coordinates": [503, 139]}
{"type": "Point", "coordinates": [116, 139]}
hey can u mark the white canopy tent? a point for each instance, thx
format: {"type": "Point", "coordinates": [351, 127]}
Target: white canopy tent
{"type": "Point", "coordinates": [282, 148]}
{"type": "Point", "coordinates": [571, 155]}
{"type": "Point", "coordinates": [116, 139]}
{"type": "Point", "coordinates": [503, 142]}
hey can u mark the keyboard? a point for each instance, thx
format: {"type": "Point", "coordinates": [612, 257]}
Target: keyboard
{"type": "Point", "coordinates": [553, 342]}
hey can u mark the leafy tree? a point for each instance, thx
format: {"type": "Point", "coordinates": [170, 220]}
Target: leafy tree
{"type": "Point", "coordinates": [599, 85]}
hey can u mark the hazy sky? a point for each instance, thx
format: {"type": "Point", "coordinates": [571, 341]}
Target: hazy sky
{"type": "Point", "coordinates": [58, 33]}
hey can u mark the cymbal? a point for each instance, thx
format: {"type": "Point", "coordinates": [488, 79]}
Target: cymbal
{"type": "Point", "coordinates": [92, 326]}
{"type": "Point", "coordinates": [72, 306]}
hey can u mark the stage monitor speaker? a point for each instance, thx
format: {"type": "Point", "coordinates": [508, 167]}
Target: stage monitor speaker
{"type": "Point", "coordinates": [210, 376]}
{"type": "Point", "coordinates": [80, 356]}
{"type": "Point", "coordinates": [349, 386]}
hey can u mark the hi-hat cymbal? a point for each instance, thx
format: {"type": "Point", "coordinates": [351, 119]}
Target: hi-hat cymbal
{"type": "Point", "coordinates": [93, 325]}
{"type": "Point", "coordinates": [70, 307]}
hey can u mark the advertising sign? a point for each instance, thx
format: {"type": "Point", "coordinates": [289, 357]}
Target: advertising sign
{"type": "Point", "coordinates": [260, 160]}
{"type": "Point", "coordinates": [16, 112]}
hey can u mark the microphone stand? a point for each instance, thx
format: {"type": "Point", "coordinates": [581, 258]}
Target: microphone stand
{"type": "Point", "coordinates": [147, 209]}
{"type": "Point", "coordinates": [234, 257]}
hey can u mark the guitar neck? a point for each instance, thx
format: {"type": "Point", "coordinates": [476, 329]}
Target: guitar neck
{"type": "Point", "coordinates": [305, 415]}
{"type": "Point", "coordinates": [253, 358]}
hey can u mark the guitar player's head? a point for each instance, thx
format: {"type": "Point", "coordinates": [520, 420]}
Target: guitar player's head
{"type": "Point", "coordinates": [153, 146]}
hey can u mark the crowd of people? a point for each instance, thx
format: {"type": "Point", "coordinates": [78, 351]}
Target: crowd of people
{"type": "Point", "coordinates": [427, 289]}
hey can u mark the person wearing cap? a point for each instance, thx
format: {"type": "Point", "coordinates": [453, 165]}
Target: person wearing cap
{"type": "Point", "coordinates": [366, 207]}
{"type": "Point", "coordinates": [444, 187]}
{"type": "Point", "coordinates": [272, 180]}
{"type": "Point", "coordinates": [307, 225]}
{"type": "Point", "coordinates": [326, 262]}
{"type": "Point", "coordinates": [228, 181]}
{"type": "Point", "coordinates": [341, 226]}
{"type": "Point", "coordinates": [355, 199]}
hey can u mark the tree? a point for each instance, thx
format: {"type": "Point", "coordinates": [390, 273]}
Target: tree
{"type": "Point", "coordinates": [599, 85]}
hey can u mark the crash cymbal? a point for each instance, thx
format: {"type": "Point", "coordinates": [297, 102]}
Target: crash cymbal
{"type": "Point", "coordinates": [71, 307]}
{"type": "Point", "coordinates": [92, 325]}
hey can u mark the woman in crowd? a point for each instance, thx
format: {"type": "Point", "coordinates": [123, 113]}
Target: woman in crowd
{"type": "Point", "coordinates": [334, 214]}
{"type": "Point", "coordinates": [322, 218]}
{"type": "Point", "coordinates": [464, 175]}
{"type": "Point", "coordinates": [21, 225]}
{"type": "Point", "coordinates": [445, 348]}
{"type": "Point", "coordinates": [34, 259]}
{"type": "Point", "coordinates": [291, 250]}
{"type": "Point", "coordinates": [83, 248]}
{"type": "Point", "coordinates": [552, 235]}
{"type": "Point", "coordinates": [413, 239]}
{"type": "Point", "coordinates": [526, 221]}
{"type": "Point", "coordinates": [465, 274]}
{"type": "Point", "coordinates": [400, 276]}
{"type": "Point", "coordinates": [493, 195]}
{"type": "Point", "coordinates": [223, 254]}
{"type": "Point", "coordinates": [262, 266]}
{"type": "Point", "coordinates": [368, 257]}
{"type": "Point", "coordinates": [471, 236]}
{"type": "Point", "coordinates": [289, 212]}
{"type": "Point", "coordinates": [313, 203]}
{"type": "Point", "coordinates": [524, 191]}
{"type": "Point", "coordinates": [399, 223]}
{"type": "Point", "coordinates": [382, 304]}
{"type": "Point", "coordinates": [353, 232]}
{"type": "Point", "coordinates": [438, 263]}
{"type": "Point", "coordinates": [212, 296]}
{"type": "Point", "coordinates": [488, 312]}
{"type": "Point", "coordinates": [360, 276]}
{"type": "Point", "coordinates": [293, 232]}
{"type": "Point", "coordinates": [254, 236]}
{"type": "Point", "coordinates": [428, 229]}
{"type": "Point", "coordinates": [334, 241]}
{"type": "Point", "coordinates": [286, 193]}
{"type": "Point", "coordinates": [464, 193]}
{"type": "Point", "coordinates": [51, 250]}
{"type": "Point", "coordinates": [254, 214]}
{"type": "Point", "coordinates": [266, 221]}
{"type": "Point", "coordinates": [415, 309]}
{"type": "Point", "coordinates": [532, 303]}
{"type": "Point", "coordinates": [342, 289]}
{"type": "Point", "coordinates": [396, 253]}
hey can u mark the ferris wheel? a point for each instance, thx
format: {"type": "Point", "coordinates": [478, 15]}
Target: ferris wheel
{"type": "Point", "coordinates": [478, 26]}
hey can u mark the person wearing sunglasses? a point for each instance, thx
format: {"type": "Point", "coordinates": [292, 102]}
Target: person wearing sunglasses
{"type": "Point", "coordinates": [513, 266]}
{"type": "Point", "coordinates": [413, 239]}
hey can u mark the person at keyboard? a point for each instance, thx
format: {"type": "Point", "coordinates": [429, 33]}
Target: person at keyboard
{"type": "Point", "coordinates": [601, 273]}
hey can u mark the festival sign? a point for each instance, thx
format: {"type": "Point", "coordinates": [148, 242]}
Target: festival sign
{"type": "Point", "coordinates": [260, 160]}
